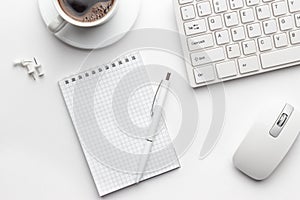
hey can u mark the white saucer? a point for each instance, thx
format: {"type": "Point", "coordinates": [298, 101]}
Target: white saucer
{"type": "Point", "coordinates": [97, 37]}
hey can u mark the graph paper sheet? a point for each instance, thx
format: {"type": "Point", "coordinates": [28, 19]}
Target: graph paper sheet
{"type": "Point", "coordinates": [110, 110]}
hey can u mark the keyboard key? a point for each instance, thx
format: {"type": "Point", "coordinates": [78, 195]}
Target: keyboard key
{"type": "Point", "coordinates": [263, 12]}
{"type": "Point", "coordinates": [234, 37]}
{"type": "Point", "coordinates": [270, 26]}
{"type": "Point", "coordinates": [252, 2]}
{"type": "Point", "coordinates": [236, 4]}
{"type": "Point", "coordinates": [249, 47]}
{"type": "Point", "coordinates": [220, 6]}
{"type": "Point", "coordinates": [194, 27]}
{"type": "Point", "coordinates": [247, 15]}
{"type": "Point", "coordinates": [200, 42]}
{"type": "Point", "coordinates": [204, 74]}
{"type": "Point", "coordinates": [286, 23]}
{"type": "Point", "coordinates": [215, 22]}
{"type": "Point", "coordinates": [231, 19]}
{"type": "Point", "coordinates": [208, 56]}
{"type": "Point", "coordinates": [204, 9]}
{"type": "Point", "coordinates": [254, 30]}
{"type": "Point", "coordinates": [249, 64]}
{"type": "Point", "coordinates": [265, 43]}
{"type": "Point", "coordinates": [297, 19]}
{"type": "Point", "coordinates": [185, 1]}
{"type": "Point", "coordinates": [294, 5]}
{"type": "Point", "coordinates": [222, 37]}
{"type": "Point", "coordinates": [280, 57]}
{"type": "Point", "coordinates": [295, 37]}
{"type": "Point", "coordinates": [238, 33]}
{"type": "Point", "coordinates": [280, 40]}
{"type": "Point", "coordinates": [188, 12]}
{"type": "Point", "coordinates": [279, 8]}
{"type": "Point", "coordinates": [226, 69]}
{"type": "Point", "coordinates": [233, 51]}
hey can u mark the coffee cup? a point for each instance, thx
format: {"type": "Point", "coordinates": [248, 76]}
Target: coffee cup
{"type": "Point", "coordinates": [82, 13]}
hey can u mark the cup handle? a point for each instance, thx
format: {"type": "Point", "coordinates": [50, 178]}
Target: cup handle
{"type": "Point", "coordinates": [57, 24]}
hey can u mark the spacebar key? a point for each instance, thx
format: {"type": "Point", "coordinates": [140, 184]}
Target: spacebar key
{"type": "Point", "coordinates": [280, 57]}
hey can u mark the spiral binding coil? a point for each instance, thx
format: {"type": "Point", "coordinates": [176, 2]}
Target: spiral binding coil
{"type": "Point", "coordinates": [98, 70]}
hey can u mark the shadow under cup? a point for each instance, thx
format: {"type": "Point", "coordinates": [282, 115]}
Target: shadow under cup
{"type": "Point", "coordinates": [86, 10]}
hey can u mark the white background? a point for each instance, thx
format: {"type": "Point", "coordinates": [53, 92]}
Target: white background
{"type": "Point", "coordinates": [40, 157]}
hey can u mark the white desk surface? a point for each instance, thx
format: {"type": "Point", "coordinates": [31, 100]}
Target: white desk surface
{"type": "Point", "coordinates": [40, 157]}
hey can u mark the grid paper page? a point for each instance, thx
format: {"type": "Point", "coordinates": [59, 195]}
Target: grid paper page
{"type": "Point", "coordinates": [110, 110]}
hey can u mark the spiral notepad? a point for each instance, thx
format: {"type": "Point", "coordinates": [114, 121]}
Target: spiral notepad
{"type": "Point", "coordinates": [110, 110]}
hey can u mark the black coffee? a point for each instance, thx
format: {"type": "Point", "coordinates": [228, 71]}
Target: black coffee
{"type": "Point", "coordinates": [86, 10]}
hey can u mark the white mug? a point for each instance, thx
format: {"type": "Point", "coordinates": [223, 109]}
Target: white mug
{"type": "Point", "coordinates": [62, 18]}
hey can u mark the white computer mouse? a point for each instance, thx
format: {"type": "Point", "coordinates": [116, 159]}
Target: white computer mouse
{"type": "Point", "coordinates": [268, 141]}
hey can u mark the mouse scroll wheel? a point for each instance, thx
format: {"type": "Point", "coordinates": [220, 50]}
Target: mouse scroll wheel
{"type": "Point", "coordinates": [282, 119]}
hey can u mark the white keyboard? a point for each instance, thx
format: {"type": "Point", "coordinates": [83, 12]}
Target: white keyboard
{"type": "Point", "coordinates": [228, 39]}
